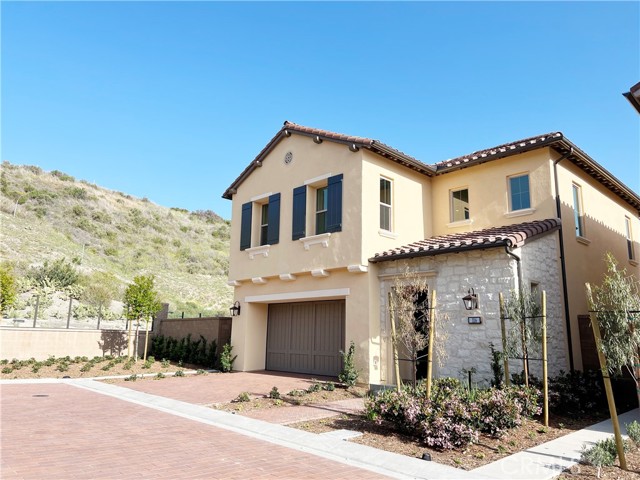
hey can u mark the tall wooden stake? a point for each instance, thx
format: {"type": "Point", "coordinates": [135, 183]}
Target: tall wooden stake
{"type": "Point", "coordinates": [129, 340]}
{"type": "Point", "coordinates": [432, 334]}
{"type": "Point", "coordinates": [545, 386]}
{"type": "Point", "coordinates": [146, 342]}
{"type": "Point", "coordinates": [396, 362]}
{"type": "Point", "coordinates": [607, 382]}
{"type": "Point", "coordinates": [503, 330]}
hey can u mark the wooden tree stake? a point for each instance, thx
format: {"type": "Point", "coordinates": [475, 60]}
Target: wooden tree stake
{"type": "Point", "coordinates": [545, 386]}
{"type": "Point", "coordinates": [503, 329]}
{"type": "Point", "coordinates": [396, 362]}
{"type": "Point", "coordinates": [607, 382]}
{"type": "Point", "coordinates": [432, 334]}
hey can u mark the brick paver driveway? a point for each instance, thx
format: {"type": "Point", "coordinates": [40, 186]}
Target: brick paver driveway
{"type": "Point", "coordinates": [58, 431]}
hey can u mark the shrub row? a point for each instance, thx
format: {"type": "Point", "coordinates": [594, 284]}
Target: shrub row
{"type": "Point", "coordinates": [453, 416]}
{"type": "Point", "coordinates": [185, 350]}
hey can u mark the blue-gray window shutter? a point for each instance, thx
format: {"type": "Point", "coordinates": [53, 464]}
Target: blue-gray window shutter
{"type": "Point", "coordinates": [273, 230]}
{"type": "Point", "coordinates": [334, 204]}
{"type": "Point", "coordinates": [245, 227]}
{"type": "Point", "coordinates": [299, 213]}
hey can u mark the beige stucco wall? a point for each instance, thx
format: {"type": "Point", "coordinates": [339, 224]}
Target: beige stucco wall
{"type": "Point", "coordinates": [411, 205]}
{"type": "Point", "coordinates": [604, 232]}
{"type": "Point", "coordinates": [41, 343]}
{"type": "Point", "coordinates": [249, 329]}
{"type": "Point", "coordinates": [310, 161]}
{"type": "Point", "coordinates": [488, 193]}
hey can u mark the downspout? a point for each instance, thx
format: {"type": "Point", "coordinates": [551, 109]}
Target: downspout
{"type": "Point", "coordinates": [563, 265]}
{"type": "Point", "coordinates": [518, 266]}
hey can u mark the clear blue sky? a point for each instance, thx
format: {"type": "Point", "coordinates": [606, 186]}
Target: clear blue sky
{"type": "Point", "coordinates": [171, 101]}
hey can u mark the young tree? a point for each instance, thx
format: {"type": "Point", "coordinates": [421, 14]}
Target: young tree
{"type": "Point", "coordinates": [409, 308]}
{"type": "Point", "coordinates": [100, 288]}
{"type": "Point", "coordinates": [616, 304]}
{"type": "Point", "coordinates": [8, 291]}
{"type": "Point", "coordinates": [524, 311]}
{"type": "Point", "coordinates": [142, 303]}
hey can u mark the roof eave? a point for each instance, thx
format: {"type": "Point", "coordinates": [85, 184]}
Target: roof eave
{"type": "Point", "coordinates": [434, 252]}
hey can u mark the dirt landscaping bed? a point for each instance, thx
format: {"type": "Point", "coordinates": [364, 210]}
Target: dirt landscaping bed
{"type": "Point", "coordinates": [83, 367]}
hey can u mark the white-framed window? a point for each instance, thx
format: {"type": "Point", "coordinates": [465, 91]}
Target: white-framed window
{"type": "Point", "coordinates": [519, 194]}
{"type": "Point", "coordinates": [460, 205]}
{"type": "Point", "coordinates": [629, 234]}
{"type": "Point", "coordinates": [264, 223]}
{"type": "Point", "coordinates": [321, 210]}
{"type": "Point", "coordinates": [386, 186]}
{"type": "Point", "coordinates": [578, 212]}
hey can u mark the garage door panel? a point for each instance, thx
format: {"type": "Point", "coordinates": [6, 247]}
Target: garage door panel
{"type": "Point", "coordinates": [306, 337]}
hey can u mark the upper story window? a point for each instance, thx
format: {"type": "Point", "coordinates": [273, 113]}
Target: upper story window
{"type": "Point", "coordinates": [262, 216]}
{"type": "Point", "coordinates": [460, 205]}
{"type": "Point", "coordinates": [321, 210]}
{"type": "Point", "coordinates": [630, 251]}
{"type": "Point", "coordinates": [264, 224]}
{"type": "Point", "coordinates": [578, 213]}
{"type": "Point", "coordinates": [385, 204]}
{"type": "Point", "coordinates": [519, 192]}
{"type": "Point", "coordinates": [325, 207]}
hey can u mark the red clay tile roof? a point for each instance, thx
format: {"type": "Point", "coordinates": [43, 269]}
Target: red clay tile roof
{"type": "Point", "coordinates": [554, 140]}
{"type": "Point", "coordinates": [509, 235]}
{"type": "Point", "coordinates": [501, 150]}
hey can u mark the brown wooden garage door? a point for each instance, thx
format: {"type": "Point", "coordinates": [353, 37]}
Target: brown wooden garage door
{"type": "Point", "coordinates": [306, 337]}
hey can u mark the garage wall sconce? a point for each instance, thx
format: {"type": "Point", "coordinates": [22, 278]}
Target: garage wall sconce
{"type": "Point", "coordinates": [470, 300]}
{"type": "Point", "coordinates": [235, 309]}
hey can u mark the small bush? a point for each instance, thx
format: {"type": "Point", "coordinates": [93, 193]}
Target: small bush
{"type": "Point", "coordinates": [179, 373]}
{"type": "Point", "coordinates": [159, 375]}
{"type": "Point", "coordinates": [633, 430]}
{"type": "Point", "coordinates": [600, 455]}
{"type": "Point", "coordinates": [329, 386]}
{"type": "Point", "coordinates": [315, 387]}
{"type": "Point", "coordinates": [243, 397]}
{"type": "Point", "coordinates": [296, 393]}
{"type": "Point", "coordinates": [349, 374]}
{"type": "Point", "coordinates": [577, 392]}
{"type": "Point", "coordinates": [131, 378]}
{"type": "Point", "coordinates": [7, 370]}
{"type": "Point", "coordinates": [226, 360]}
{"type": "Point", "coordinates": [274, 393]}
{"type": "Point", "coordinates": [200, 371]}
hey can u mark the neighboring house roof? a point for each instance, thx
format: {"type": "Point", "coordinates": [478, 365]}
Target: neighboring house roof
{"type": "Point", "coordinates": [510, 236]}
{"type": "Point", "coordinates": [554, 140]}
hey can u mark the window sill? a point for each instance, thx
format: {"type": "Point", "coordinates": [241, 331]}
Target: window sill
{"type": "Point", "coordinates": [520, 213]}
{"type": "Point", "coordinates": [387, 234]}
{"type": "Point", "coordinates": [322, 239]}
{"type": "Point", "coordinates": [261, 250]}
{"type": "Point", "coordinates": [582, 240]}
{"type": "Point", "coordinates": [460, 223]}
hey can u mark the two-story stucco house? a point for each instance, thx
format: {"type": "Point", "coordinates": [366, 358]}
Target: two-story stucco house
{"type": "Point", "coordinates": [322, 224]}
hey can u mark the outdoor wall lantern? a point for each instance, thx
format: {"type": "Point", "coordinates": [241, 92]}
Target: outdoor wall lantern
{"type": "Point", "coordinates": [470, 300]}
{"type": "Point", "coordinates": [235, 309]}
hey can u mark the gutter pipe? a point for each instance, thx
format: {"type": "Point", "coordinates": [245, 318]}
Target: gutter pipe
{"type": "Point", "coordinates": [563, 265]}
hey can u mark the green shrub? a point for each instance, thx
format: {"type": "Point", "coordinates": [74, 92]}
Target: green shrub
{"type": "Point", "coordinates": [159, 375]}
{"type": "Point", "coordinates": [226, 359]}
{"type": "Point", "coordinates": [577, 393]}
{"type": "Point", "coordinates": [349, 373]}
{"type": "Point", "coordinates": [274, 393]}
{"type": "Point", "coordinates": [7, 370]}
{"type": "Point", "coordinates": [242, 397]}
{"type": "Point", "coordinates": [602, 454]}
{"type": "Point", "coordinates": [131, 378]}
{"type": "Point", "coordinates": [76, 192]}
{"type": "Point", "coordinates": [179, 373]}
{"type": "Point", "coordinates": [329, 386]}
{"type": "Point", "coordinates": [633, 430]}
{"type": "Point", "coordinates": [314, 387]}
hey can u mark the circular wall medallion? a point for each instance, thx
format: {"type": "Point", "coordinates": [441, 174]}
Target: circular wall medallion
{"type": "Point", "coordinates": [288, 158]}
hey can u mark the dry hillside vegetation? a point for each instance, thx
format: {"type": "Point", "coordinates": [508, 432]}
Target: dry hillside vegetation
{"type": "Point", "coordinates": [49, 215]}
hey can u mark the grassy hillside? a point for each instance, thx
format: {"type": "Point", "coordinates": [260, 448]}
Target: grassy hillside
{"type": "Point", "coordinates": [49, 215]}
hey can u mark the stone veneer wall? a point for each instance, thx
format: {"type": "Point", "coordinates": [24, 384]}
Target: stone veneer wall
{"type": "Point", "coordinates": [489, 272]}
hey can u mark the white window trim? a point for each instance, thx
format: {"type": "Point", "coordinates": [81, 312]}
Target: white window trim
{"type": "Point", "coordinates": [317, 180]}
{"type": "Point", "coordinates": [306, 295]}
{"type": "Point", "coordinates": [460, 223]}
{"type": "Point", "coordinates": [510, 197]}
{"type": "Point", "coordinates": [387, 234]}
{"type": "Point", "coordinates": [628, 234]}
{"type": "Point", "coordinates": [575, 188]}
{"type": "Point", "coordinates": [520, 213]}
{"type": "Point", "coordinates": [259, 250]}
{"type": "Point", "coordinates": [388, 205]}
{"type": "Point", "coordinates": [262, 196]}
{"type": "Point", "coordinates": [583, 240]}
{"type": "Point", "coordinates": [321, 239]}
